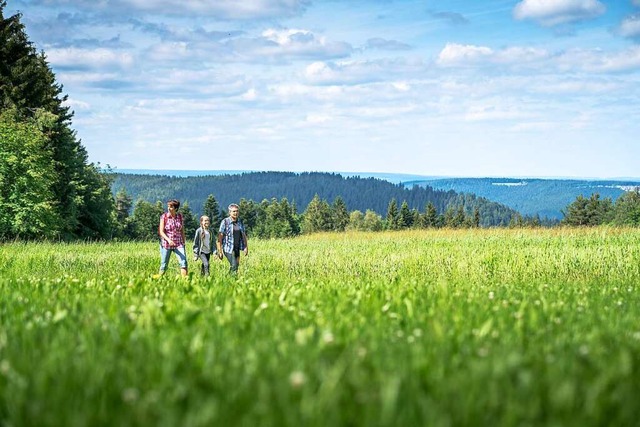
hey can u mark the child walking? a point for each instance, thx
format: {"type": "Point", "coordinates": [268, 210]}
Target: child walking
{"type": "Point", "coordinates": [202, 245]}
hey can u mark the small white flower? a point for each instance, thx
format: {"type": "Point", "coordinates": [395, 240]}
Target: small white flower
{"type": "Point", "coordinates": [327, 337]}
{"type": "Point", "coordinates": [297, 379]}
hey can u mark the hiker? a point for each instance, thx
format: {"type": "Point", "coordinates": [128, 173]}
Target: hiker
{"type": "Point", "coordinates": [232, 238]}
{"type": "Point", "coordinates": [202, 245]}
{"type": "Point", "coordinates": [172, 238]}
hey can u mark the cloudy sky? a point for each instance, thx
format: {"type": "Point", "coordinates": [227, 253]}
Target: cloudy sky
{"type": "Point", "coordinates": [543, 88]}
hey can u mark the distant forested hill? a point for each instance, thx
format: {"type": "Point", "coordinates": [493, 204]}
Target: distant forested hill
{"type": "Point", "coordinates": [544, 197]}
{"type": "Point", "coordinates": [299, 188]}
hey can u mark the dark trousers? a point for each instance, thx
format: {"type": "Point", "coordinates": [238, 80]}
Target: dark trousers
{"type": "Point", "coordinates": [234, 260]}
{"type": "Point", "coordinates": [204, 268]}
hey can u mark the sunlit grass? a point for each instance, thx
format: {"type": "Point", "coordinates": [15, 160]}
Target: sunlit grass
{"type": "Point", "coordinates": [442, 327]}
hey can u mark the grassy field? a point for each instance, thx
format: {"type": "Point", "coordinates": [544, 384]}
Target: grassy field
{"type": "Point", "coordinates": [421, 328]}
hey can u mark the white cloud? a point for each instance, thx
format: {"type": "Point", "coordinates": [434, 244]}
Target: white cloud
{"type": "Point", "coordinates": [455, 54]}
{"type": "Point", "coordinates": [360, 72]}
{"type": "Point", "coordinates": [630, 26]}
{"type": "Point", "coordinates": [76, 104]}
{"type": "Point", "coordinates": [599, 61]}
{"type": "Point", "coordinates": [249, 95]}
{"type": "Point", "coordinates": [556, 12]}
{"type": "Point", "coordinates": [587, 60]}
{"type": "Point", "coordinates": [90, 58]}
{"type": "Point", "coordinates": [286, 44]}
{"type": "Point", "coordinates": [521, 55]}
{"type": "Point", "coordinates": [401, 86]}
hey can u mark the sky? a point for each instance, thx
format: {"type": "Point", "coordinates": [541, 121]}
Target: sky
{"type": "Point", "coordinates": [482, 88]}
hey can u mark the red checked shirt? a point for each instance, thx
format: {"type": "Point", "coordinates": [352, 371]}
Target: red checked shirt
{"type": "Point", "coordinates": [173, 230]}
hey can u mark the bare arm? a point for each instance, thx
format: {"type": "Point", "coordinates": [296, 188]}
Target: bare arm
{"type": "Point", "coordinates": [219, 245]}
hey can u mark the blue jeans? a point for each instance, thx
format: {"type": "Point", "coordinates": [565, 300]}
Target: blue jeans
{"type": "Point", "coordinates": [166, 253]}
{"type": "Point", "coordinates": [234, 260]}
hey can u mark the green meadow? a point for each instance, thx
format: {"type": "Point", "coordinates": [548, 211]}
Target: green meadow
{"type": "Point", "coordinates": [490, 327]}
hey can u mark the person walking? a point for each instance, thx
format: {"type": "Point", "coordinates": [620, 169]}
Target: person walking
{"type": "Point", "coordinates": [232, 238]}
{"type": "Point", "coordinates": [202, 245]}
{"type": "Point", "coordinates": [172, 238]}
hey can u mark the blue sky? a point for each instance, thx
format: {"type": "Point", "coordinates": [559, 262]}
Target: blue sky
{"type": "Point", "coordinates": [544, 88]}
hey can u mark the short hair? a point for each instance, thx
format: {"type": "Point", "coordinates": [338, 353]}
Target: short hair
{"type": "Point", "coordinates": [233, 205]}
{"type": "Point", "coordinates": [203, 217]}
{"type": "Point", "coordinates": [174, 203]}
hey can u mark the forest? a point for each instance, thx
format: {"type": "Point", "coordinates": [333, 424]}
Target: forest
{"type": "Point", "coordinates": [300, 188]}
{"type": "Point", "coordinates": [546, 197]}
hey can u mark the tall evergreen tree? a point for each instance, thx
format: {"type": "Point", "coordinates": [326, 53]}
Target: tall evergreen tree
{"type": "Point", "coordinates": [211, 208]}
{"type": "Point", "coordinates": [476, 218]}
{"type": "Point", "coordinates": [405, 217]}
{"type": "Point", "coordinates": [189, 220]}
{"type": "Point", "coordinates": [430, 216]}
{"type": "Point", "coordinates": [340, 214]}
{"type": "Point", "coordinates": [249, 214]}
{"type": "Point", "coordinates": [588, 212]}
{"type": "Point", "coordinates": [392, 215]}
{"type": "Point", "coordinates": [28, 85]}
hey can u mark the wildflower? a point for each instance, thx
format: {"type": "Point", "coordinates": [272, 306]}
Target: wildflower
{"type": "Point", "coordinates": [327, 337]}
{"type": "Point", "coordinates": [297, 379]}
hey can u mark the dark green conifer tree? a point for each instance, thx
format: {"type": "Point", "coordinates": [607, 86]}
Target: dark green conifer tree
{"type": "Point", "coordinates": [393, 215]}
{"type": "Point", "coordinates": [340, 214]}
{"type": "Point", "coordinates": [430, 216]}
{"type": "Point", "coordinates": [405, 218]}
{"type": "Point", "coordinates": [211, 208]}
{"type": "Point", "coordinates": [84, 204]}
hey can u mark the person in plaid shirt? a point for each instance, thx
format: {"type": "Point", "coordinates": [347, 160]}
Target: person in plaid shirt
{"type": "Point", "coordinates": [172, 237]}
{"type": "Point", "coordinates": [232, 238]}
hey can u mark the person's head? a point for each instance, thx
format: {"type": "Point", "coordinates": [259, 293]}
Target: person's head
{"type": "Point", "coordinates": [173, 204]}
{"type": "Point", "coordinates": [205, 221]}
{"type": "Point", "coordinates": [234, 210]}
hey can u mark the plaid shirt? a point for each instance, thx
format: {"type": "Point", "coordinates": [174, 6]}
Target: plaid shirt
{"type": "Point", "coordinates": [226, 228]}
{"type": "Point", "coordinates": [173, 230]}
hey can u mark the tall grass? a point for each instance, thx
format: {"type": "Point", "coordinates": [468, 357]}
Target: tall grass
{"type": "Point", "coordinates": [442, 327]}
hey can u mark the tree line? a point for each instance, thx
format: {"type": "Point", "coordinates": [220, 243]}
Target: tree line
{"type": "Point", "coordinates": [594, 210]}
{"type": "Point", "coordinates": [280, 218]}
{"type": "Point", "coordinates": [300, 188]}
